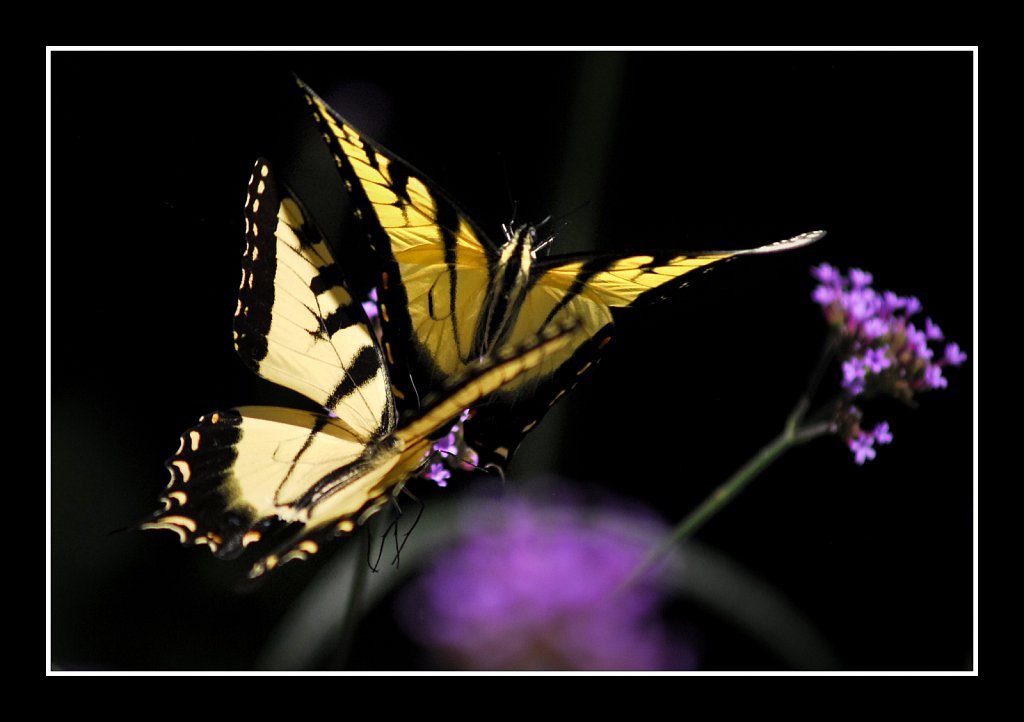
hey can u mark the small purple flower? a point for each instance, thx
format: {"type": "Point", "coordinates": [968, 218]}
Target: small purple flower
{"type": "Point", "coordinates": [875, 327]}
{"type": "Point", "coordinates": [934, 378]}
{"type": "Point", "coordinates": [932, 331]}
{"type": "Point", "coordinates": [824, 295]}
{"type": "Point", "coordinates": [853, 375]}
{"type": "Point", "coordinates": [954, 356]}
{"type": "Point", "coordinates": [862, 447]}
{"type": "Point", "coordinates": [537, 587]}
{"type": "Point", "coordinates": [438, 473]}
{"type": "Point", "coordinates": [918, 340]}
{"type": "Point", "coordinates": [882, 434]}
{"type": "Point", "coordinates": [861, 304]}
{"type": "Point", "coordinates": [892, 302]}
{"type": "Point", "coordinates": [827, 274]}
{"type": "Point", "coordinates": [877, 359]}
{"type": "Point", "coordinates": [859, 279]}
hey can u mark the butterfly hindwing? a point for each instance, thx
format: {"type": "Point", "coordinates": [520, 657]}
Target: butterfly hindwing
{"type": "Point", "coordinates": [284, 477]}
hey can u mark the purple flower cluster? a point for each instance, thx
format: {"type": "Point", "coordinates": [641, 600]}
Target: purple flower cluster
{"type": "Point", "coordinates": [883, 352]}
{"type": "Point", "coordinates": [536, 587]}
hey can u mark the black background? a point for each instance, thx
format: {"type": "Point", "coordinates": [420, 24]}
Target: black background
{"type": "Point", "coordinates": [150, 156]}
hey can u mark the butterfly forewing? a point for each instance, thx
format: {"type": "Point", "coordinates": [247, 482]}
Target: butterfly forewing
{"type": "Point", "coordinates": [296, 323]}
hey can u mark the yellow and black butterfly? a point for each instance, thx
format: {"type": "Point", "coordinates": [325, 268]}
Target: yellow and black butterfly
{"type": "Point", "coordinates": [291, 479]}
{"type": "Point", "coordinates": [448, 295]}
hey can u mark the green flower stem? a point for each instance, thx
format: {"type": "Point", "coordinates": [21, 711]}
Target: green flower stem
{"type": "Point", "coordinates": [793, 434]}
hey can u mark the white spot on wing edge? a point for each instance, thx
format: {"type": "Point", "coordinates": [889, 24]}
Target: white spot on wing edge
{"type": "Point", "coordinates": [183, 469]}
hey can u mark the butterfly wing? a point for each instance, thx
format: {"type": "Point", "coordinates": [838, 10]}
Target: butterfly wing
{"type": "Point", "coordinates": [296, 322]}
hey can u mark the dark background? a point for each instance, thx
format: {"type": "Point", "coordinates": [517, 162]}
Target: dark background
{"type": "Point", "coordinates": [150, 156]}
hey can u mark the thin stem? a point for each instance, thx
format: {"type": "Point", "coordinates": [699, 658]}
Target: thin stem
{"type": "Point", "coordinates": [793, 434]}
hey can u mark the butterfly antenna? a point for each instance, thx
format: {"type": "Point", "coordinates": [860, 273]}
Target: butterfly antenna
{"type": "Point", "coordinates": [561, 223]}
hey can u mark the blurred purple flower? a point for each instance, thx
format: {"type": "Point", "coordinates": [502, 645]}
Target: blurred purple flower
{"type": "Point", "coordinates": [854, 372]}
{"type": "Point", "coordinates": [860, 278]}
{"type": "Point", "coordinates": [932, 331]}
{"type": "Point", "coordinates": [881, 433]}
{"type": "Point", "coordinates": [535, 587]}
{"type": "Point", "coordinates": [881, 352]}
{"type": "Point", "coordinates": [934, 378]}
{"type": "Point", "coordinates": [954, 356]}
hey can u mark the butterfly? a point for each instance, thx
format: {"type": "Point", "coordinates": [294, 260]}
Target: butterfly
{"type": "Point", "coordinates": [287, 479]}
{"type": "Point", "coordinates": [449, 295]}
